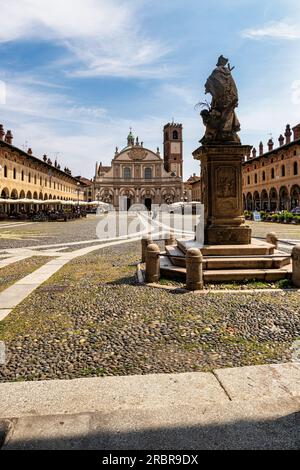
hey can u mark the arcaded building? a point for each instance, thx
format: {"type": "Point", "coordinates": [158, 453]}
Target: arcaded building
{"type": "Point", "coordinates": [271, 180]}
{"type": "Point", "coordinates": [139, 175]}
{"type": "Point", "coordinates": [192, 189]}
{"type": "Point", "coordinates": [25, 176]}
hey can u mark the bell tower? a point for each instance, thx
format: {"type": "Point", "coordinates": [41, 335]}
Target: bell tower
{"type": "Point", "coordinates": [173, 148]}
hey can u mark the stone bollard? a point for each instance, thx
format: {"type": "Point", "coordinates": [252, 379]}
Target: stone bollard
{"type": "Point", "coordinates": [194, 271]}
{"type": "Point", "coordinates": [145, 242]}
{"type": "Point", "coordinates": [171, 240]}
{"type": "Point", "coordinates": [272, 238]}
{"type": "Point", "coordinates": [152, 263]}
{"type": "Point", "coordinates": [296, 265]}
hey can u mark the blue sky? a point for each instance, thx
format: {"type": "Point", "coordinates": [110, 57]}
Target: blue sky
{"type": "Point", "coordinates": [77, 74]}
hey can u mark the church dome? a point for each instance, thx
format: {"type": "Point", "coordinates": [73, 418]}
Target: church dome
{"type": "Point", "coordinates": [130, 138]}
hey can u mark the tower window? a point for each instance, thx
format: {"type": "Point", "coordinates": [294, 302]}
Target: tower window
{"type": "Point", "coordinates": [127, 173]}
{"type": "Point", "coordinates": [295, 168]}
{"type": "Point", "coordinates": [175, 135]}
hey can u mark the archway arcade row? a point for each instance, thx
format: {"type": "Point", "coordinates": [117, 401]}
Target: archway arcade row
{"type": "Point", "coordinates": [273, 200]}
{"type": "Point", "coordinates": [23, 199]}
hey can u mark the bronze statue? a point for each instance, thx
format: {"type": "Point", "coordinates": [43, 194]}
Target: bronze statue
{"type": "Point", "coordinates": [219, 117]}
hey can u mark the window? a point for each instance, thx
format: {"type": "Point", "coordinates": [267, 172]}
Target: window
{"type": "Point", "coordinates": [34, 180]}
{"type": "Point", "coordinates": [295, 168]}
{"type": "Point", "coordinates": [5, 171]}
{"type": "Point", "coordinates": [175, 135]}
{"type": "Point", "coordinates": [29, 177]}
{"type": "Point", "coordinates": [22, 175]}
{"type": "Point", "coordinates": [148, 173]}
{"type": "Point", "coordinates": [248, 179]}
{"type": "Point", "coordinates": [41, 181]}
{"type": "Point", "coordinates": [255, 178]}
{"type": "Point", "coordinates": [264, 176]}
{"type": "Point", "coordinates": [127, 173]}
{"type": "Point", "coordinates": [15, 174]}
{"type": "Point", "coordinates": [283, 170]}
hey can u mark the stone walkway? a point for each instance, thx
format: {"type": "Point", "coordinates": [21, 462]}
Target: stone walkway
{"type": "Point", "coordinates": [239, 408]}
{"type": "Point", "coordinates": [15, 294]}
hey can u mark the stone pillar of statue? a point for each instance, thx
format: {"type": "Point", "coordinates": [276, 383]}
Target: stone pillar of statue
{"type": "Point", "coordinates": [222, 196]}
{"type": "Point", "coordinates": [221, 156]}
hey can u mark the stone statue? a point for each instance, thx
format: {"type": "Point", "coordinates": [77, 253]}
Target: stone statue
{"type": "Point", "coordinates": [219, 117]}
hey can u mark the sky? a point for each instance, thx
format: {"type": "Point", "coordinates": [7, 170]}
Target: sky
{"type": "Point", "coordinates": [75, 75]}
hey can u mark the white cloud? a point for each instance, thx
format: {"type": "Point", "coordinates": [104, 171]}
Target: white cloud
{"type": "Point", "coordinates": [276, 30]}
{"type": "Point", "coordinates": [24, 101]}
{"type": "Point", "coordinates": [2, 92]}
{"type": "Point", "coordinates": [183, 93]}
{"type": "Point", "coordinates": [102, 38]}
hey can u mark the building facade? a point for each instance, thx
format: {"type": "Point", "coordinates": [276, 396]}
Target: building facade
{"type": "Point", "coordinates": [271, 180]}
{"type": "Point", "coordinates": [192, 189]}
{"type": "Point", "coordinates": [141, 176]}
{"type": "Point", "coordinates": [24, 176]}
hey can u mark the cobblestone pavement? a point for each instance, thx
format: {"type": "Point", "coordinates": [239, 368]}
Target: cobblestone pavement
{"type": "Point", "coordinates": [20, 235]}
{"type": "Point", "coordinates": [92, 319]}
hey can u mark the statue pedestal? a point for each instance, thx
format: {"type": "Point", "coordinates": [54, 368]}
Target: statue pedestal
{"type": "Point", "coordinates": [221, 169]}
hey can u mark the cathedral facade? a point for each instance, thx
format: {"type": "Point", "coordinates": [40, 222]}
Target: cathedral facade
{"type": "Point", "coordinates": [138, 175]}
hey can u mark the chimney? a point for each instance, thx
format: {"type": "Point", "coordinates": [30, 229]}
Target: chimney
{"type": "Point", "coordinates": [254, 153]}
{"type": "Point", "coordinates": [288, 134]}
{"type": "Point", "coordinates": [45, 158]}
{"type": "Point", "coordinates": [261, 149]}
{"type": "Point", "coordinates": [270, 145]}
{"type": "Point", "coordinates": [2, 133]}
{"type": "Point", "coordinates": [296, 131]}
{"type": "Point", "coordinates": [29, 151]}
{"type": "Point", "coordinates": [9, 137]}
{"type": "Point", "coordinates": [281, 140]}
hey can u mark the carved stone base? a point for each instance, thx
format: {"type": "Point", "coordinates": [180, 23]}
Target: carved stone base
{"type": "Point", "coordinates": [224, 235]}
{"type": "Point", "coordinates": [221, 170]}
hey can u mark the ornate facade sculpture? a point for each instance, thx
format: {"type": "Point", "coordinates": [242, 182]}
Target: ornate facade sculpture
{"type": "Point", "coordinates": [220, 118]}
